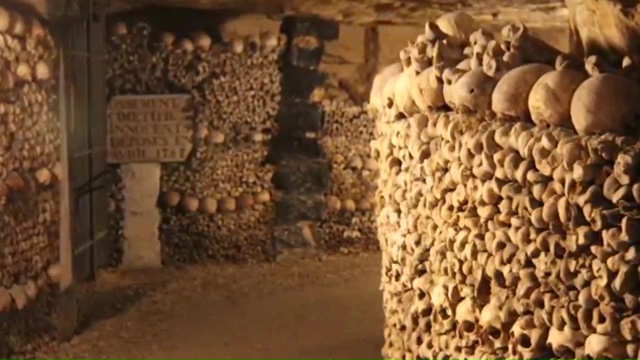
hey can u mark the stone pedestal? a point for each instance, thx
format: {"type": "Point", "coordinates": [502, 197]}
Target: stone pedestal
{"type": "Point", "coordinates": [141, 215]}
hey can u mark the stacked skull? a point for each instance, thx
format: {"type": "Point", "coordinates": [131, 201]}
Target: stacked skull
{"type": "Point", "coordinates": [349, 222]}
{"type": "Point", "coordinates": [502, 238]}
{"type": "Point", "coordinates": [29, 175]}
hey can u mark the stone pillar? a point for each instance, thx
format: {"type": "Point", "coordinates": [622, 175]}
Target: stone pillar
{"type": "Point", "coordinates": [141, 215]}
{"type": "Point", "coordinates": [302, 172]}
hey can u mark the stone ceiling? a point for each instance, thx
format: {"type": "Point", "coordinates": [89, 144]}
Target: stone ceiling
{"type": "Point", "coordinates": [533, 12]}
{"type": "Point", "coordinates": [40, 7]}
{"type": "Point", "coordinates": [54, 10]}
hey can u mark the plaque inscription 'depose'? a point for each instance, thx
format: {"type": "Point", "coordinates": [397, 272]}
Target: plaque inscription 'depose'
{"type": "Point", "coordinates": [149, 128]}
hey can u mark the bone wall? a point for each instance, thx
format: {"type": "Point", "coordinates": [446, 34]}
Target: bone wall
{"type": "Point", "coordinates": [29, 172]}
{"type": "Point", "coordinates": [507, 215]}
{"type": "Point", "coordinates": [217, 204]}
{"type": "Point", "coordinates": [301, 168]}
{"type": "Point", "coordinates": [258, 171]}
{"type": "Point", "coordinates": [523, 265]}
{"type": "Point", "coordinates": [349, 222]}
{"type": "Point", "coordinates": [324, 190]}
{"type": "Point", "coordinates": [360, 50]}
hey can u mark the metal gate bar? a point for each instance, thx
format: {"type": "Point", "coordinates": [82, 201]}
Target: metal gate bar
{"type": "Point", "coordinates": [85, 44]}
{"type": "Point", "coordinates": [102, 247]}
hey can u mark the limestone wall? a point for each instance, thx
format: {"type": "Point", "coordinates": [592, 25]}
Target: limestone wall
{"type": "Point", "coordinates": [502, 238]}
{"type": "Point", "coordinates": [29, 174]}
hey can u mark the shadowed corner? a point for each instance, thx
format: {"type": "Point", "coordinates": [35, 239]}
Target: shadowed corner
{"type": "Point", "coordinates": [95, 305]}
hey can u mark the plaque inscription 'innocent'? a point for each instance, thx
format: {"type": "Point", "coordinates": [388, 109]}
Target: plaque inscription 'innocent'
{"type": "Point", "coordinates": [149, 128]}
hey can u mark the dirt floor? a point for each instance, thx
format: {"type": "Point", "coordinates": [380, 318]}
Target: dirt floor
{"type": "Point", "coordinates": [329, 309]}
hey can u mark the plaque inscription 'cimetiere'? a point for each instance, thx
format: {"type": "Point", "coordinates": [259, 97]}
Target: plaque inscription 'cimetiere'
{"type": "Point", "coordinates": [149, 128]}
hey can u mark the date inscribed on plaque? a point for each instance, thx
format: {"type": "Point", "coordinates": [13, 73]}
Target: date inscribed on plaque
{"type": "Point", "coordinates": [149, 128]}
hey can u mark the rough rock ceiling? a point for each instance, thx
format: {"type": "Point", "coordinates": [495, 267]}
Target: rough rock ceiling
{"type": "Point", "coordinates": [39, 7]}
{"type": "Point", "coordinates": [53, 10]}
{"type": "Point", "coordinates": [547, 13]}
{"type": "Point", "coordinates": [533, 12]}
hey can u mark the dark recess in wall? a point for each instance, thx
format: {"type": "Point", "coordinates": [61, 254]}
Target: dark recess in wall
{"type": "Point", "coordinates": [302, 170]}
{"type": "Point", "coordinates": [371, 56]}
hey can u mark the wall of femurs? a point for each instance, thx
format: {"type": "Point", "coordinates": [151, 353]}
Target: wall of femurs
{"type": "Point", "coordinates": [29, 172]}
{"type": "Point", "coordinates": [268, 165]}
{"type": "Point", "coordinates": [218, 202]}
{"type": "Point", "coordinates": [349, 222]}
{"type": "Point", "coordinates": [509, 224]}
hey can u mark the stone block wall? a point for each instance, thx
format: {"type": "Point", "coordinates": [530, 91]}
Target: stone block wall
{"type": "Point", "coordinates": [29, 175]}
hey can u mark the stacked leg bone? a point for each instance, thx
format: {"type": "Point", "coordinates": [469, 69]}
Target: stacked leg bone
{"type": "Point", "coordinates": [224, 210]}
{"type": "Point", "coordinates": [29, 174]}
{"type": "Point", "coordinates": [349, 223]}
{"type": "Point", "coordinates": [217, 204]}
{"type": "Point", "coordinates": [508, 199]}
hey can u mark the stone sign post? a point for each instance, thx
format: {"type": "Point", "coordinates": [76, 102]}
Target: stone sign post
{"type": "Point", "coordinates": [143, 132]}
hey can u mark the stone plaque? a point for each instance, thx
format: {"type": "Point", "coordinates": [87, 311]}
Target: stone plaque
{"type": "Point", "coordinates": [149, 128]}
